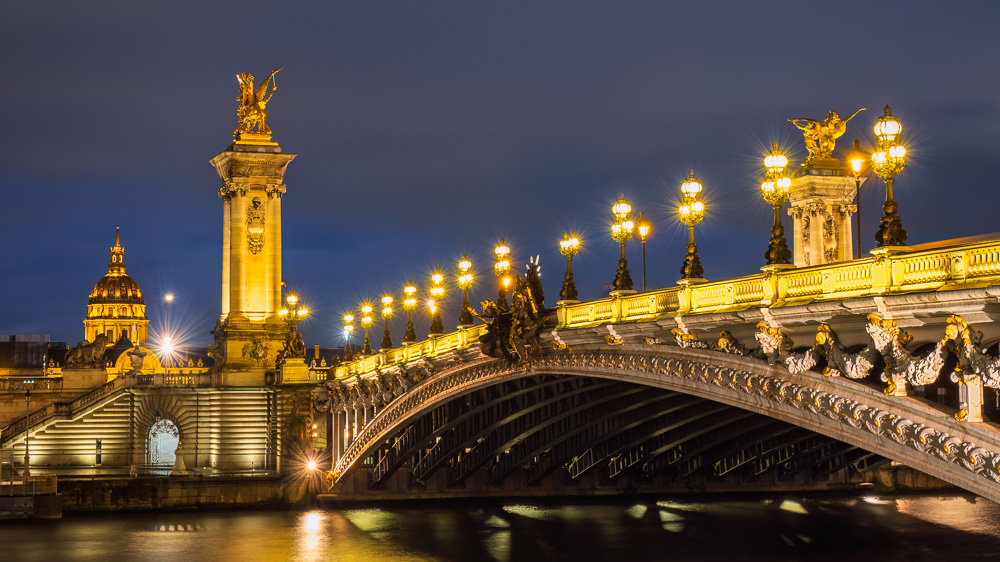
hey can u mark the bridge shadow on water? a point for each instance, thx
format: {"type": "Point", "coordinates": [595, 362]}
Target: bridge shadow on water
{"type": "Point", "coordinates": [774, 528]}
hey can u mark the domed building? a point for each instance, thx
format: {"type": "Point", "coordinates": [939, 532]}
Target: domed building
{"type": "Point", "coordinates": [116, 308]}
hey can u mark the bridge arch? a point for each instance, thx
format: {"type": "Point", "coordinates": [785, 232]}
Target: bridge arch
{"type": "Point", "coordinates": [909, 430]}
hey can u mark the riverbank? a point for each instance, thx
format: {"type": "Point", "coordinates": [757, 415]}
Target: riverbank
{"type": "Point", "coordinates": [121, 493]}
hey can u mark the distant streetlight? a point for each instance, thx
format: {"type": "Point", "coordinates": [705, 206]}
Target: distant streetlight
{"type": "Point", "coordinates": [366, 322]}
{"type": "Point", "coordinates": [348, 331]}
{"type": "Point", "coordinates": [691, 212]}
{"type": "Point", "coordinates": [386, 315]}
{"type": "Point", "coordinates": [621, 232]}
{"type": "Point", "coordinates": [569, 246]}
{"type": "Point", "coordinates": [464, 282]}
{"type": "Point", "coordinates": [502, 269]}
{"type": "Point", "coordinates": [775, 190]}
{"type": "Point", "coordinates": [434, 304]}
{"type": "Point", "coordinates": [409, 303]}
{"type": "Point", "coordinates": [859, 165]}
{"type": "Point", "coordinates": [644, 228]}
{"type": "Point", "coordinates": [888, 161]}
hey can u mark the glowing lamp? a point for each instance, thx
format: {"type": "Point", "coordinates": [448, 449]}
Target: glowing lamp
{"type": "Point", "coordinates": [644, 226]}
{"type": "Point", "coordinates": [775, 161]}
{"type": "Point", "coordinates": [887, 127]}
{"type": "Point", "coordinates": [621, 208]}
{"type": "Point", "coordinates": [691, 186]}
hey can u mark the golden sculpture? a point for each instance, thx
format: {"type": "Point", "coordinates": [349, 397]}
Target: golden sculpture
{"type": "Point", "coordinates": [253, 104]}
{"type": "Point", "coordinates": [820, 136]}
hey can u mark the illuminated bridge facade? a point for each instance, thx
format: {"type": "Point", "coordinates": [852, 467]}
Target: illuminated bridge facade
{"type": "Point", "coordinates": [806, 376]}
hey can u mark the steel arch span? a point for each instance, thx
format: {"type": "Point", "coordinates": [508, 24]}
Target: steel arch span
{"type": "Point", "coordinates": [657, 406]}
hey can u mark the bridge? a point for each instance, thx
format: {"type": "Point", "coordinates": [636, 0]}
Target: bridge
{"type": "Point", "coordinates": [791, 375]}
{"type": "Point", "coordinates": [804, 375]}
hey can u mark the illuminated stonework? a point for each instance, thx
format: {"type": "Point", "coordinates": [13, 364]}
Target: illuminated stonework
{"type": "Point", "coordinates": [252, 171]}
{"type": "Point", "coordinates": [116, 307]}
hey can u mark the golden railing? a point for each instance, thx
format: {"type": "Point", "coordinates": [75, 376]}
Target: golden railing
{"type": "Point", "coordinates": [463, 338]}
{"type": "Point", "coordinates": [884, 273]}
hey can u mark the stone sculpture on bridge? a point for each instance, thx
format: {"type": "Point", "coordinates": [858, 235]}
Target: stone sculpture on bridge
{"type": "Point", "coordinates": [513, 332]}
{"type": "Point", "coordinates": [87, 354]}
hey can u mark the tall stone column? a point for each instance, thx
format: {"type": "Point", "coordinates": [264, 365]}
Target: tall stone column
{"type": "Point", "coordinates": [250, 332]}
{"type": "Point", "coordinates": [822, 203]}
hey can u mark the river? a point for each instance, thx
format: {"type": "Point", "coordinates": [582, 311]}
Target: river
{"type": "Point", "coordinates": [774, 528]}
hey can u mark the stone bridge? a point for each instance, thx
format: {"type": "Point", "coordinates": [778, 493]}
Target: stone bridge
{"type": "Point", "coordinates": [793, 376]}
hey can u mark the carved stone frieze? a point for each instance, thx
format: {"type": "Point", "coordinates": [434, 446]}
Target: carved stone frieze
{"type": "Point", "coordinates": [890, 341]}
{"type": "Point", "coordinates": [838, 361]}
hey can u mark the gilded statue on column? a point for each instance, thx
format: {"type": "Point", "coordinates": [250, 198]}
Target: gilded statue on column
{"type": "Point", "coordinates": [820, 136]}
{"type": "Point", "coordinates": [252, 112]}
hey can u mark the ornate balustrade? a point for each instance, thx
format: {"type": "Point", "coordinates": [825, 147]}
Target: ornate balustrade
{"type": "Point", "coordinates": [430, 347]}
{"type": "Point", "coordinates": [940, 269]}
{"type": "Point", "coordinates": [16, 428]}
{"type": "Point", "coordinates": [21, 383]}
{"type": "Point", "coordinates": [885, 273]}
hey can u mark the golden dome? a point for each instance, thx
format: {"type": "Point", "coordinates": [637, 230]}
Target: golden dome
{"type": "Point", "coordinates": [117, 288]}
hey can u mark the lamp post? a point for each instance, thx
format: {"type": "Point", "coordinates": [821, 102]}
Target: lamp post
{"type": "Point", "coordinates": [366, 322]}
{"type": "Point", "coordinates": [293, 313]}
{"type": "Point", "coordinates": [644, 228]}
{"type": "Point", "coordinates": [888, 161]}
{"type": "Point", "coordinates": [27, 436]}
{"type": "Point", "coordinates": [464, 282]}
{"type": "Point", "coordinates": [348, 331]}
{"type": "Point", "coordinates": [691, 211]}
{"type": "Point", "coordinates": [621, 231]}
{"type": "Point", "coordinates": [386, 315]}
{"type": "Point", "coordinates": [775, 190]}
{"type": "Point", "coordinates": [859, 165]}
{"type": "Point", "coordinates": [502, 269]}
{"type": "Point", "coordinates": [409, 303]}
{"type": "Point", "coordinates": [437, 295]}
{"type": "Point", "coordinates": [569, 246]}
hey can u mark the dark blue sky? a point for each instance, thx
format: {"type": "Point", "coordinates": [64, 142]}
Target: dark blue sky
{"type": "Point", "coordinates": [424, 130]}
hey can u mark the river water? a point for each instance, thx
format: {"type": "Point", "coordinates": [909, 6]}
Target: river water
{"type": "Point", "coordinates": [939, 527]}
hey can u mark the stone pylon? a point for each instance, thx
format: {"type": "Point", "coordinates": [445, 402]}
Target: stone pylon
{"type": "Point", "coordinates": [250, 332]}
{"type": "Point", "coordinates": [821, 202]}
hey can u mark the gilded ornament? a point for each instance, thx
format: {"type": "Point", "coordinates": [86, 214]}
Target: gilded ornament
{"type": "Point", "coordinates": [821, 136]}
{"type": "Point", "coordinates": [252, 113]}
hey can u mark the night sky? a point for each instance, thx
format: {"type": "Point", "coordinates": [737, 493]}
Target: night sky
{"type": "Point", "coordinates": [427, 129]}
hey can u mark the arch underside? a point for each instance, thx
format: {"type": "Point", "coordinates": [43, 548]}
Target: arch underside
{"type": "Point", "coordinates": [533, 426]}
{"type": "Point", "coordinates": [673, 415]}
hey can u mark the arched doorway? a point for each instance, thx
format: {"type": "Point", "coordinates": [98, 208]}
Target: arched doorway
{"type": "Point", "coordinates": [162, 442]}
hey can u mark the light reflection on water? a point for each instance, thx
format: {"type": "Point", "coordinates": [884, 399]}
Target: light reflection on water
{"type": "Point", "coordinates": [909, 529]}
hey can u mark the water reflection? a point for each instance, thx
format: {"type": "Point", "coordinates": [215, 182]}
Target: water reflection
{"type": "Point", "coordinates": [775, 528]}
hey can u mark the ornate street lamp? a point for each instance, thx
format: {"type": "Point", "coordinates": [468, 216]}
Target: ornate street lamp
{"type": "Point", "coordinates": [569, 246]}
{"type": "Point", "coordinates": [644, 228]}
{"type": "Point", "coordinates": [348, 331]}
{"type": "Point", "coordinates": [464, 282]}
{"type": "Point", "coordinates": [366, 322]}
{"type": "Point", "coordinates": [859, 166]}
{"type": "Point", "coordinates": [386, 315]}
{"type": "Point", "coordinates": [691, 211]}
{"type": "Point", "coordinates": [502, 268]}
{"type": "Point", "coordinates": [437, 295]}
{"type": "Point", "coordinates": [888, 161]}
{"type": "Point", "coordinates": [292, 313]}
{"type": "Point", "coordinates": [775, 189]}
{"type": "Point", "coordinates": [409, 303]}
{"type": "Point", "coordinates": [621, 231]}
